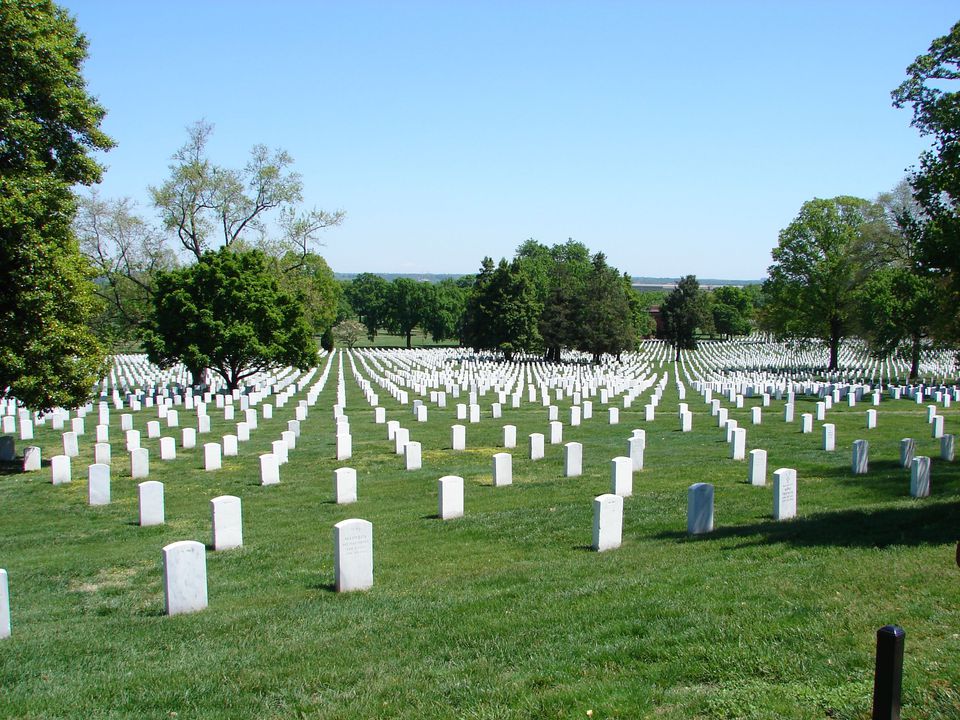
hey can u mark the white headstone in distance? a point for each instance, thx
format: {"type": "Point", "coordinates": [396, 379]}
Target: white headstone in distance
{"type": "Point", "coordinates": [829, 437]}
{"type": "Point", "coordinates": [290, 438]}
{"type": "Point", "coordinates": [573, 459]}
{"type": "Point", "coordinates": [140, 463]}
{"type": "Point", "coordinates": [861, 457]}
{"type": "Point", "coordinates": [788, 412]}
{"type": "Point", "coordinates": [413, 455]}
{"type": "Point", "coordinates": [936, 428]}
{"type": "Point", "coordinates": [269, 469]}
{"type": "Point", "coordinates": [379, 415]}
{"type": "Point", "coordinates": [184, 577]}
{"type": "Point", "coordinates": [126, 422]}
{"type": "Point", "coordinates": [103, 433]}
{"type": "Point", "coordinates": [353, 555]}
{"type": "Point", "coordinates": [738, 444]}
{"type": "Point", "coordinates": [226, 520]}
{"type": "Point", "coordinates": [908, 448]}
{"type": "Point", "coordinates": [806, 420]}
{"type": "Point", "coordinates": [635, 449]}
{"type": "Point", "coordinates": [212, 456]}
{"type": "Point", "coordinates": [188, 438]}
{"type": "Point", "coordinates": [400, 438]}
{"type": "Point", "coordinates": [757, 469]}
{"type": "Point", "coordinates": [556, 432]}
{"type": "Point", "coordinates": [450, 489]}
{"type": "Point", "coordinates": [536, 446]}
{"type": "Point", "coordinates": [607, 522]}
{"type": "Point", "coordinates": [279, 450]}
{"type": "Point", "coordinates": [150, 495]}
{"type": "Point", "coordinates": [502, 469]}
{"type": "Point", "coordinates": [71, 447]}
{"type": "Point", "coordinates": [133, 440]}
{"type": "Point", "coordinates": [60, 469]}
{"type": "Point", "coordinates": [26, 429]}
{"type": "Point", "coordinates": [98, 484]}
{"type": "Point", "coordinates": [509, 436]}
{"type": "Point", "coordinates": [168, 448]}
{"type": "Point", "coordinates": [458, 437]}
{"type": "Point", "coordinates": [699, 508]}
{"type": "Point", "coordinates": [614, 415]}
{"type": "Point", "coordinates": [621, 476]}
{"type": "Point", "coordinates": [756, 415]}
{"type": "Point", "coordinates": [821, 411]}
{"type": "Point", "coordinates": [649, 413]}
{"type": "Point", "coordinates": [587, 413]}
{"type": "Point", "coordinates": [344, 446]}
{"type": "Point", "coordinates": [345, 485]}
{"type": "Point", "coordinates": [920, 477]}
{"type": "Point", "coordinates": [173, 418]}
{"type": "Point", "coordinates": [784, 493]}
{"type": "Point", "coordinates": [474, 413]}
{"type": "Point", "coordinates": [153, 429]}
{"type": "Point", "coordinates": [947, 448]}
{"type": "Point", "coordinates": [871, 419]}
{"type": "Point", "coordinates": [31, 457]}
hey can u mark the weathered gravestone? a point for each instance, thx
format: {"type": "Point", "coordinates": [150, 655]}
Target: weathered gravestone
{"type": "Point", "coordinates": [31, 458]}
{"type": "Point", "coordinates": [757, 469]}
{"type": "Point", "coordinates": [621, 476]}
{"type": "Point", "coordinates": [573, 459]}
{"type": "Point", "coordinates": [450, 488]}
{"type": "Point", "coordinates": [150, 495]}
{"type": "Point", "coordinates": [920, 477]}
{"type": "Point", "coordinates": [184, 577]}
{"type": "Point", "coordinates": [908, 448]}
{"type": "Point", "coordinates": [699, 508]}
{"type": "Point", "coordinates": [4, 605]}
{"type": "Point", "coordinates": [861, 459]}
{"type": "Point", "coordinates": [784, 493]}
{"type": "Point", "coordinates": [607, 522]}
{"type": "Point", "coordinates": [98, 484]}
{"type": "Point", "coordinates": [502, 469]}
{"type": "Point", "coordinates": [226, 520]}
{"type": "Point", "coordinates": [353, 555]}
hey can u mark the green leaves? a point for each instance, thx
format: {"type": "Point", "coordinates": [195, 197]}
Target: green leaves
{"type": "Point", "coordinates": [48, 124]}
{"type": "Point", "coordinates": [227, 313]}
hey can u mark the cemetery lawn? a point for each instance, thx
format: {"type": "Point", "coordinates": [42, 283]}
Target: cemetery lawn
{"type": "Point", "coordinates": [506, 612]}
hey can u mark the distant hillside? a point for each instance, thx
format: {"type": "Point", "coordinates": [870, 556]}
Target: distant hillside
{"type": "Point", "coordinates": [642, 283]}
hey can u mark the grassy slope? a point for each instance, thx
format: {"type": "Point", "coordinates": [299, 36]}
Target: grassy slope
{"type": "Point", "coordinates": [504, 613]}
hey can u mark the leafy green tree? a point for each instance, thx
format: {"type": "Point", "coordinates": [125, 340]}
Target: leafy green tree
{"type": "Point", "coordinates": [685, 311]}
{"type": "Point", "coordinates": [405, 304]}
{"type": "Point", "coordinates": [810, 290]}
{"type": "Point", "coordinates": [560, 323]}
{"type": "Point", "coordinates": [226, 312]}
{"type": "Point", "coordinates": [310, 276]}
{"type": "Point", "coordinates": [368, 296]}
{"type": "Point", "coordinates": [732, 309]}
{"type": "Point", "coordinates": [445, 305]}
{"type": "Point", "coordinates": [48, 126]}
{"type": "Point", "coordinates": [502, 311]}
{"type": "Point", "coordinates": [931, 90]}
{"type": "Point", "coordinates": [607, 320]}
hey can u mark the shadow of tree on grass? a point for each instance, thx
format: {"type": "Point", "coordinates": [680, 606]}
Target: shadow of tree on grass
{"type": "Point", "coordinates": [927, 523]}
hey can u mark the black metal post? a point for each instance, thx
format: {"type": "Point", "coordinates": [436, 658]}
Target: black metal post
{"type": "Point", "coordinates": [888, 677]}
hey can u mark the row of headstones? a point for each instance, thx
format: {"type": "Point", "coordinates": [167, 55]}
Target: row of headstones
{"type": "Point", "coordinates": [185, 566]}
{"type": "Point", "coordinates": [919, 465]}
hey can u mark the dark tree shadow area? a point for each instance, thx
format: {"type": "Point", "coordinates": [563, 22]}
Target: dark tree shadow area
{"type": "Point", "coordinates": [926, 524]}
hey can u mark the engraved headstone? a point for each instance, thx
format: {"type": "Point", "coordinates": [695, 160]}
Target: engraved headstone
{"type": "Point", "coordinates": [353, 555]}
{"type": "Point", "coordinates": [184, 577]}
{"type": "Point", "coordinates": [607, 522]}
{"type": "Point", "coordinates": [784, 493]}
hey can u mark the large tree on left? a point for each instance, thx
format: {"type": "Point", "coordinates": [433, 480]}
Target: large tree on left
{"type": "Point", "coordinates": [49, 124]}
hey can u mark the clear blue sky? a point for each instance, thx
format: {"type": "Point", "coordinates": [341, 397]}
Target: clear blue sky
{"type": "Point", "coordinates": [676, 137]}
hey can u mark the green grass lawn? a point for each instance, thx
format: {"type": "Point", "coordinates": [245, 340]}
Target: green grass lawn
{"type": "Point", "coordinates": [506, 612]}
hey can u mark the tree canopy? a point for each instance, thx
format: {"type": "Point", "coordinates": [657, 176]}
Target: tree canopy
{"type": "Point", "coordinates": [49, 124]}
{"type": "Point", "coordinates": [931, 89]}
{"type": "Point", "coordinates": [226, 312]}
{"type": "Point", "coordinates": [685, 311]}
{"type": "Point", "coordinates": [809, 292]}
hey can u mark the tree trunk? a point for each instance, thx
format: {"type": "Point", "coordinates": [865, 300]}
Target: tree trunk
{"type": "Point", "coordinates": [835, 338]}
{"type": "Point", "coordinates": [915, 358]}
{"type": "Point", "coordinates": [409, 339]}
{"type": "Point", "coordinates": [677, 356]}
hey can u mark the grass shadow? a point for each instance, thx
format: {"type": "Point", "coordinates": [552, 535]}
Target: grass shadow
{"type": "Point", "coordinates": [925, 524]}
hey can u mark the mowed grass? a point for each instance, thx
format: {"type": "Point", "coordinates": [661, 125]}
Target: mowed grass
{"type": "Point", "coordinates": [506, 612]}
